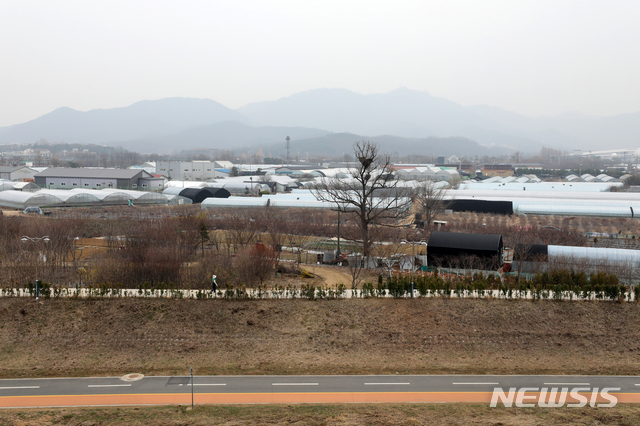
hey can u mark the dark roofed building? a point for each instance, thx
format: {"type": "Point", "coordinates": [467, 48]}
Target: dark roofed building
{"type": "Point", "coordinates": [197, 195]}
{"type": "Point", "coordinates": [462, 250]}
{"type": "Point", "coordinates": [69, 178]}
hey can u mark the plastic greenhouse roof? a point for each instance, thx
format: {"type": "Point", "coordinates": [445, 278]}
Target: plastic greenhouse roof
{"type": "Point", "coordinates": [22, 200]}
{"type": "Point", "coordinates": [77, 196]}
{"type": "Point", "coordinates": [596, 254]}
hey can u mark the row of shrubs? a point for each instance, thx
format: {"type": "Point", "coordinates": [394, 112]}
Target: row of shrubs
{"type": "Point", "coordinates": [598, 287]}
{"type": "Point", "coordinates": [562, 284]}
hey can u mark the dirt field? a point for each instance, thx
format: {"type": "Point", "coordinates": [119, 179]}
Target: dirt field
{"type": "Point", "coordinates": [351, 415]}
{"type": "Point", "coordinates": [422, 336]}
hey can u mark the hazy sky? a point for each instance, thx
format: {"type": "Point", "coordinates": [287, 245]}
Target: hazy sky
{"type": "Point", "coordinates": [539, 57]}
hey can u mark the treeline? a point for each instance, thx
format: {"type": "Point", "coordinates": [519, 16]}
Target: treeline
{"type": "Point", "coordinates": [181, 246]}
{"type": "Point", "coordinates": [184, 246]}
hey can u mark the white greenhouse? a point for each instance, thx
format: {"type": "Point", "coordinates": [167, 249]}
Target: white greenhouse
{"type": "Point", "coordinates": [77, 197]}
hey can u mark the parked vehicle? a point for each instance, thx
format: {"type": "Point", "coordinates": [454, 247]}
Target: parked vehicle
{"type": "Point", "coordinates": [35, 210]}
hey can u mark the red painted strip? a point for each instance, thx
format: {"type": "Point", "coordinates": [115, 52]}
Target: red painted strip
{"type": "Point", "coordinates": [267, 398]}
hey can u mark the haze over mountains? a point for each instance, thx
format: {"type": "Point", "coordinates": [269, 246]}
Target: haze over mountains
{"type": "Point", "coordinates": [327, 121]}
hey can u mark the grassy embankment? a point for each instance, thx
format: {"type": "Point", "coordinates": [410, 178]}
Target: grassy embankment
{"type": "Point", "coordinates": [370, 336]}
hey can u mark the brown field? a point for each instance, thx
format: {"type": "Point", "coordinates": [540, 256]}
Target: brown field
{"type": "Point", "coordinates": [347, 415]}
{"type": "Point", "coordinates": [352, 336]}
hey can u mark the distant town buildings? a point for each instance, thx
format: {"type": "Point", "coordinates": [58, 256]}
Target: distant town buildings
{"type": "Point", "coordinates": [26, 154]}
{"type": "Point", "coordinates": [502, 170]}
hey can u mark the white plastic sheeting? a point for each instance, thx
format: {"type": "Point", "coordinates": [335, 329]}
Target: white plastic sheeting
{"type": "Point", "coordinates": [490, 184]}
{"type": "Point", "coordinates": [595, 254]}
{"type": "Point", "coordinates": [507, 195]}
{"type": "Point", "coordinates": [577, 210]}
{"type": "Point", "coordinates": [77, 197]}
{"type": "Point", "coordinates": [262, 202]}
{"type": "Point", "coordinates": [140, 196]}
{"type": "Point", "coordinates": [106, 196]}
{"type": "Point", "coordinates": [336, 172]}
{"type": "Point", "coordinates": [175, 200]}
{"type": "Point", "coordinates": [187, 184]}
{"type": "Point", "coordinates": [175, 190]}
{"type": "Point", "coordinates": [426, 173]}
{"type": "Point", "coordinates": [561, 203]}
{"type": "Point", "coordinates": [298, 198]}
{"type": "Point", "coordinates": [72, 197]}
{"type": "Point", "coordinates": [8, 185]}
{"type": "Point", "coordinates": [21, 200]}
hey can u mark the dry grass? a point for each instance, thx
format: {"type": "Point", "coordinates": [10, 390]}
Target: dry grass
{"type": "Point", "coordinates": [351, 415]}
{"type": "Point", "coordinates": [374, 336]}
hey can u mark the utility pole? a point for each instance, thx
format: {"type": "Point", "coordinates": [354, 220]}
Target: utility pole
{"type": "Point", "coordinates": [338, 248]}
{"type": "Point", "coordinates": [288, 146]}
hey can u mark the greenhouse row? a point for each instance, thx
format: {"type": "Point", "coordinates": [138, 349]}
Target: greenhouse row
{"type": "Point", "coordinates": [590, 178]}
{"type": "Point", "coordinates": [79, 197]}
{"type": "Point", "coordinates": [299, 198]}
{"type": "Point", "coordinates": [541, 186]}
{"type": "Point", "coordinates": [599, 204]}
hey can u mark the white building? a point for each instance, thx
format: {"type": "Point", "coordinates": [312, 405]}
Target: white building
{"type": "Point", "coordinates": [192, 170]}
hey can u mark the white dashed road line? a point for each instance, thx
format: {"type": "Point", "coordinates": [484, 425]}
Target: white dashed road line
{"type": "Point", "coordinates": [208, 384]}
{"type": "Point", "coordinates": [294, 384]}
{"type": "Point", "coordinates": [107, 386]}
{"type": "Point", "coordinates": [20, 387]}
{"type": "Point", "coordinates": [568, 384]}
{"type": "Point", "coordinates": [476, 383]}
{"type": "Point", "coordinates": [387, 384]}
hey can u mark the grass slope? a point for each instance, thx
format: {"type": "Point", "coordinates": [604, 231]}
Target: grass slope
{"type": "Point", "coordinates": [373, 336]}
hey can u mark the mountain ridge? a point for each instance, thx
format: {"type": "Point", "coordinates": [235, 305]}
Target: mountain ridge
{"type": "Point", "coordinates": [183, 123]}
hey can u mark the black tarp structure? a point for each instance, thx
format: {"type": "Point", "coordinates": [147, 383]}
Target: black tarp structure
{"type": "Point", "coordinates": [462, 250]}
{"type": "Point", "coordinates": [197, 195]}
{"type": "Point", "coordinates": [481, 206]}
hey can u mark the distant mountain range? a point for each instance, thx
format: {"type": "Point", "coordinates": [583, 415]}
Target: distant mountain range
{"type": "Point", "coordinates": [328, 121]}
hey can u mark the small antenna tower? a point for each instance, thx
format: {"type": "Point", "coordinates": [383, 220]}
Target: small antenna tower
{"type": "Point", "coordinates": [288, 146]}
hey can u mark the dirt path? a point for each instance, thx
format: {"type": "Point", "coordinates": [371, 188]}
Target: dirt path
{"type": "Point", "coordinates": [331, 275]}
{"type": "Point", "coordinates": [334, 275]}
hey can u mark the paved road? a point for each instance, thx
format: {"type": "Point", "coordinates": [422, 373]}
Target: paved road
{"type": "Point", "coordinates": [289, 389]}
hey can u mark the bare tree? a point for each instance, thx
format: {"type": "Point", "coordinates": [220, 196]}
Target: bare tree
{"type": "Point", "coordinates": [387, 256]}
{"type": "Point", "coordinates": [369, 193]}
{"type": "Point", "coordinates": [356, 269]}
{"type": "Point", "coordinates": [430, 197]}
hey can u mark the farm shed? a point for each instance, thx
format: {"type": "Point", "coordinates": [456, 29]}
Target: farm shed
{"type": "Point", "coordinates": [451, 249]}
{"type": "Point", "coordinates": [198, 195]}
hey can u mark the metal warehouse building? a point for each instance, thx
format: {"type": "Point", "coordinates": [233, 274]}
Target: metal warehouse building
{"type": "Point", "coordinates": [70, 178]}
